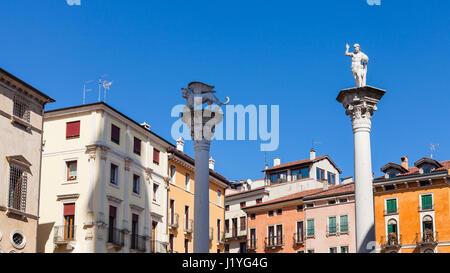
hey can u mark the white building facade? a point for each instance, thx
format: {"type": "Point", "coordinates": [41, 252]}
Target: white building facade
{"type": "Point", "coordinates": [104, 183]}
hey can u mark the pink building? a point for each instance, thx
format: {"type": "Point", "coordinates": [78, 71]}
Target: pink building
{"type": "Point", "coordinates": [330, 220]}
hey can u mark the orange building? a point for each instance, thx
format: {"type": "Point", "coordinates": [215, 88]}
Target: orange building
{"type": "Point", "coordinates": [181, 203]}
{"type": "Point", "coordinates": [412, 207]}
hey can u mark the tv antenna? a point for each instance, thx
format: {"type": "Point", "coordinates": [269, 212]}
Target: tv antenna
{"type": "Point", "coordinates": [433, 149]}
{"type": "Point", "coordinates": [86, 90]}
{"type": "Point", "coordinates": [100, 83]}
{"type": "Point", "coordinates": [106, 87]}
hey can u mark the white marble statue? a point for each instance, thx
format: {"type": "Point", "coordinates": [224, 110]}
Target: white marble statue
{"type": "Point", "coordinates": [359, 65]}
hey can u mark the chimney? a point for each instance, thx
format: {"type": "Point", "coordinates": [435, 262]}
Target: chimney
{"type": "Point", "coordinates": [211, 163]}
{"type": "Point", "coordinates": [180, 144]}
{"type": "Point", "coordinates": [405, 162]}
{"type": "Point", "coordinates": [276, 161]}
{"type": "Point", "coordinates": [145, 125]}
{"type": "Point", "coordinates": [312, 154]}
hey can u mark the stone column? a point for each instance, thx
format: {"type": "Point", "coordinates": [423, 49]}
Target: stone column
{"type": "Point", "coordinates": [101, 224]}
{"type": "Point", "coordinates": [360, 103]}
{"type": "Point", "coordinates": [126, 208]}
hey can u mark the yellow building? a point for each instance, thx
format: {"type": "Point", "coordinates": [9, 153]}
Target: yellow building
{"type": "Point", "coordinates": [181, 203]}
{"type": "Point", "coordinates": [412, 207]}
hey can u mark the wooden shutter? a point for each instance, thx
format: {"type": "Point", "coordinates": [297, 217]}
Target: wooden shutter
{"type": "Point", "coordinates": [115, 134]}
{"type": "Point", "coordinates": [69, 209]}
{"type": "Point", "coordinates": [137, 146]}
{"type": "Point", "coordinates": [112, 211]}
{"type": "Point", "coordinates": [72, 129]}
{"type": "Point", "coordinates": [155, 156]}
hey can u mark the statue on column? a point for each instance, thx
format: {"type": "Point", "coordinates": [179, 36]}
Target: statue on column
{"type": "Point", "coordinates": [359, 65]}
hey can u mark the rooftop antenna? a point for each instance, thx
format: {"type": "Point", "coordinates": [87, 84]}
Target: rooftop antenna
{"type": "Point", "coordinates": [106, 87]}
{"type": "Point", "coordinates": [100, 85]}
{"type": "Point", "coordinates": [433, 149]}
{"type": "Point", "coordinates": [86, 90]}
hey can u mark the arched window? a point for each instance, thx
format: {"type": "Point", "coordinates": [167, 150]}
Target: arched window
{"type": "Point", "coordinates": [427, 223]}
{"type": "Point", "coordinates": [392, 226]}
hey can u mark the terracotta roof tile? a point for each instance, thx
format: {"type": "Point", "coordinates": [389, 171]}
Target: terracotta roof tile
{"type": "Point", "coordinates": [303, 161]}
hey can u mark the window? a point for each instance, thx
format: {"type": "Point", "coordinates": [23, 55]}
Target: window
{"type": "Point", "coordinates": [299, 234]}
{"type": "Point", "coordinates": [304, 173]}
{"type": "Point", "coordinates": [331, 202]}
{"type": "Point", "coordinates": [21, 109]}
{"type": "Point", "coordinates": [227, 226]}
{"type": "Point", "coordinates": [252, 216]}
{"type": "Point", "coordinates": [259, 201]}
{"type": "Point", "coordinates": [227, 248]}
{"type": "Point", "coordinates": [243, 223]}
{"type": "Point", "coordinates": [234, 227]}
{"type": "Point", "coordinates": [300, 174]}
{"type": "Point", "coordinates": [134, 231]}
{"type": "Point", "coordinates": [136, 183]}
{"type": "Point", "coordinates": [278, 178]}
{"type": "Point", "coordinates": [172, 174]}
{"type": "Point", "coordinates": [156, 156]}
{"type": "Point", "coordinates": [71, 168]}
{"type": "Point", "coordinates": [389, 187]}
{"type": "Point", "coordinates": [392, 227]}
{"type": "Point", "coordinates": [112, 225]}
{"type": "Point", "coordinates": [424, 183]}
{"type": "Point", "coordinates": [114, 175]}
{"type": "Point", "coordinates": [295, 175]}
{"type": "Point", "coordinates": [115, 134]}
{"type": "Point", "coordinates": [310, 205]}
{"type": "Point", "coordinates": [344, 249]}
{"type": "Point", "coordinates": [73, 130]}
{"type": "Point", "coordinates": [243, 205]}
{"type": "Point", "coordinates": [299, 208]}
{"type": "Point", "coordinates": [186, 245]}
{"type": "Point", "coordinates": [310, 251]}
{"type": "Point", "coordinates": [392, 175]}
{"type": "Point", "coordinates": [17, 188]}
{"type": "Point", "coordinates": [428, 170]}
{"type": "Point", "coordinates": [343, 200]}
{"type": "Point", "coordinates": [333, 250]}
{"type": "Point", "coordinates": [187, 181]}
{"type": "Point", "coordinates": [252, 241]}
{"type": "Point", "coordinates": [274, 178]}
{"type": "Point", "coordinates": [137, 146]}
{"type": "Point", "coordinates": [242, 247]}
{"type": "Point", "coordinates": [332, 225]}
{"type": "Point", "coordinates": [270, 213]}
{"type": "Point", "coordinates": [219, 197]}
{"type": "Point", "coordinates": [219, 230]}
{"type": "Point", "coordinates": [279, 234]}
{"type": "Point", "coordinates": [279, 211]}
{"type": "Point", "coordinates": [391, 206]}
{"type": "Point", "coordinates": [344, 223]}
{"type": "Point", "coordinates": [186, 218]}
{"type": "Point", "coordinates": [18, 240]}
{"type": "Point", "coordinates": [426, 201]}
{"type": "Point", "coordinates": [155, 192]}
{"type": "Point", "coordinates": [331, 178]}
{"type": "Point", "coordinates": [320, 174]}
{"type": "Point", "coordinates": [427, 227]}
{"type": "Point", "coordinates": [69, 221]}
{"type": "Point", "coordinates": [227, 208]}
{"type": "Point", "coordinates": [310, 228]}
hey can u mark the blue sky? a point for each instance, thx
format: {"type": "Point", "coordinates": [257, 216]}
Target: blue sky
{"type": "Point", "coordinates": [287, 53]}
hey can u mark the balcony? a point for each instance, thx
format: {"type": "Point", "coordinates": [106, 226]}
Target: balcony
{"type": "Point", "coordinates": [189, 226]}
{"type": "Point", "coordinates": [299, 238]}
{"type": "Point", "coordinates": [158, 247]}
{"type": "Point", "coordinates": [64, 234]}
{"type": "Point", "coordinates": [393, 241]}
{"type": "Point", "coordinates": [251, 244]}
{"type": "Point", "coordinates": [137, 242]}
{"type": "Point", "coordinates": [426, 208]}
{"type": "Point", "coordinates": [173, 220]}
{"type": "Point", "coordinates": [427, 238]}
{"type": "Point", "coordinates": [221, 239]}
{"type": "Point", "coordinates": [273, 242]}
{"type": "Point", "coordinates": [116, 237]}
{"type": "Point", "coordinates": [236, 234]}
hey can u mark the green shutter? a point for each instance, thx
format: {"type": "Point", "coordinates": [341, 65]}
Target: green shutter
{"type": "Point", "coordinates": [344, 223]}
{"type": "Point", "coordinates": [427, 201]}
{"type": "Point", "coordinates": [391, 206]}
{"type": "Point", "coordinates": [332, 224]}
{"type": "Point", "coordinates": [310, 228]}
{"type": "Point", "coordinates": [390, 229]}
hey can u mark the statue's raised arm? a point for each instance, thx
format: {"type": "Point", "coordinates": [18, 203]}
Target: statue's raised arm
{"type": "Point", "coordinates": [346, 51]}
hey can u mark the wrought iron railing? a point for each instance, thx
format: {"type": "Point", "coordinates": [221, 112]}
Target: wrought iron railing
{"type": "Point", "coordinates": [173, 220]}
{"type": "Point", "coordinates": [116, 237]}
{"type": "Point", "coordinates": [221, 239]}
{"type": "Point", "coordinates": [273, 241]}
{"type": "Point", "coordinates": [428, 237]}
{"type": "Point", "coordinates": [64, 234]}
{"type": "Point", "coordinates": [137, 242]}
{"type": "Point", "coordinates": [189, 226]}
{"type": "Point", "coordinates": [251, 244]}
{"type": "Point", "coordinates": [391, 241]}
{"type": "Point", "coordinates": [299, 238]}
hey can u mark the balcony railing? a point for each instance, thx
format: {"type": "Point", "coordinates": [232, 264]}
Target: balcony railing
{"type": "Point", "coordinates": [251, 244]}
{"type": "Point", "coordinates": [299, 238]}
{"type": "Point", "coordinates": [428, 237]}
{"type": "Point", "coordinates": [426, 207]}
{"type": "Point", "coordinates": [391, 211]}
{"type": "Point", "coordinates": [236, 233]}
{"type": "Point", "coordinates": [392, 241]}
{"type": "Point", "coordinates": [221, 239]}
{"type": "Point", "coordinates": [158, 247]}
{"type": "Point", "coordinates": [189, 226]}
{"type": "Point", "coordinates": [116, 237]}
{"type": "Point", "coordinates": [137, 242]}
{"type": "Point", "coordinates": [273, 241]}
{"type": "Point", "coordinates": [173, 220]}
{"type": "Point", "coordinates": [64, 234]}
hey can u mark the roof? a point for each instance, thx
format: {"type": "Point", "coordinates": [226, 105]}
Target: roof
{"type": "Point", "coordinates": [414, 170]}
{"type": "Point", "coordinates": [302, 162]}
{"type": "Point", "coordinates": [286, 198]}
{"type": "Point", "coordinates": [333, 191]}
{"type": "Point", "coordinates": [190, 160]}
{"type": "Point", "coordinates": [247, 191]}
{"type": "Point", "coordinates": [49, 99]}
{"type": "Point", "coordinates": [113, 109]}
{"type": "Point", "coordinates": [395, 166]}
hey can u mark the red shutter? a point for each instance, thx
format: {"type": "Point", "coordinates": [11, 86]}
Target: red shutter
{"type": "Point", "coordinates": [155, 156]}
{"type": "Point", "coordinates": [115, 134]}
{"type": "Point", "coordinates": [73, 129]}
{"type": "Point", "coordinates": [137, 146]}
{"type": "Point", "coordinates": [69, 209]}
